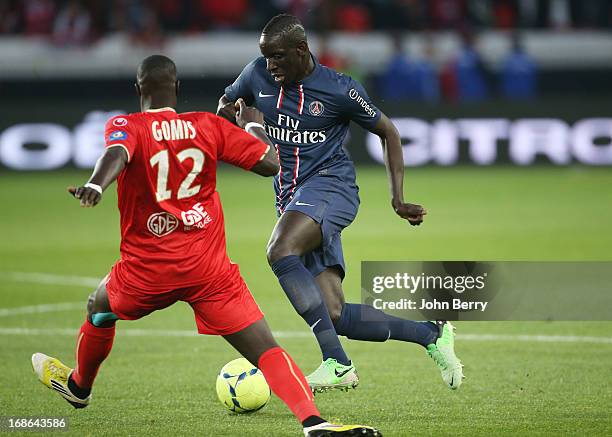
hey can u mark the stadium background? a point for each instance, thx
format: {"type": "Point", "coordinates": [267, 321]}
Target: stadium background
{"type": "Point", "coordinates": [510, 152]}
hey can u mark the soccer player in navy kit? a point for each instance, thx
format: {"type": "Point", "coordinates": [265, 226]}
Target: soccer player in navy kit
{"type": "Point", "coordinates": [307, 109]}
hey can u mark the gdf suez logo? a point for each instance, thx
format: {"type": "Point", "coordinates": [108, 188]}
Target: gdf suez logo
{"type": "Point", "coordinates": [162, 223]}
{"type": "Point", "coordinates": [196, 216]}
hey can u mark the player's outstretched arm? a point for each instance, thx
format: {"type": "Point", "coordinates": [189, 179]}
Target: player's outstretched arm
{"type": "Point", "coordinates": [107, 169]}
{"type": "Point", "coordinates": [394, 162]}
{"type": "Point", "coordinates": [226, 109]}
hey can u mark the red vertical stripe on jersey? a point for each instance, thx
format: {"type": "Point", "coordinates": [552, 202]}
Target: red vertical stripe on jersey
{"type": "Point", "coordinates": [280, 178]}
{"type": "Point", "coordinates": [296, 170]}
{"type": "Point", "coordinates": [279, 102]}
{"type": "Point", "coordinates": [301, 102]}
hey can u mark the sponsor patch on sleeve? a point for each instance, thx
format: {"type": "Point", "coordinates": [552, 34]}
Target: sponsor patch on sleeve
{"type": "Point", "coordinates": [117, 135]}
{"type": "Point", "coordinates": [120, 121]}
{"type": "Point", "coordinates": [354, 95]}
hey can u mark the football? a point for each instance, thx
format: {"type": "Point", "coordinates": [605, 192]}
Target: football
{"type": "Point", "coordinates": [241, 387]}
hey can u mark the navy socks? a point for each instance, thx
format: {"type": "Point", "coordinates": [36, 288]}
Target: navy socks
{"type": "Point", "coordinates": [303, 292]}
{"type": "Point", "coordinates": [357, 322]}
{"type": "Point", "coordinates": [363, 322]}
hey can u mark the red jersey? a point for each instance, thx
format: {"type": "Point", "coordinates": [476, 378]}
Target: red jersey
{"type": "Point", "coordinates": [172, 229]}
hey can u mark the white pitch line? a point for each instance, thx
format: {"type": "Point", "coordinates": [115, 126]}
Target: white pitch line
{"type": "Point", "coordinates": [50, 278]}
{"type": "Point", "coordinates": [135, 332]}
{"type": "Point", "coordinates": [536, 338]}
{"type": "Point", "coordinates": [44, 308]}
{"type": "Point", "coordinates": [307, 334]}
{"type": "Point", "coordinates": [87, 281]}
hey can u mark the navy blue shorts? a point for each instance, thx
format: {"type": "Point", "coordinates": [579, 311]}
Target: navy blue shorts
{"type": "Point", "coordinates": [333, 203]}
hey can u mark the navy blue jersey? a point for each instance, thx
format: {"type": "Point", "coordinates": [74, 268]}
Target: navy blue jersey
{"type": "Point", "coordinates": [307, 121]}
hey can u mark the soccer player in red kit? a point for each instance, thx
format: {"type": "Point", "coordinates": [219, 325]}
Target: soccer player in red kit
{"type": "Point", "coordinates": [173, 241]}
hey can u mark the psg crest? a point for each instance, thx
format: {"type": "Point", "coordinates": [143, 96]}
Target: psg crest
{"type": "Point", "coordinates": [316, 108]}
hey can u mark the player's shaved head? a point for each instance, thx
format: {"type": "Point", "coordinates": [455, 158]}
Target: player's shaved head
{"type": "Point", "coordinates": [156, 82]}
{"type": "Point", "coordinates": [283, 44]}
{"type": "Point", "coordinates": [156, 71]}
{"type": "Point", "coordinates": [287, 27]}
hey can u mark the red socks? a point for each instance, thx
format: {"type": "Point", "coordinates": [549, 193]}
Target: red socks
{"type": "Point", "coordinates": [282, 374]}
{"type": "Point", "coordinates": [93, 346]}
{"type": "Point", "coordinates": [288, 382]}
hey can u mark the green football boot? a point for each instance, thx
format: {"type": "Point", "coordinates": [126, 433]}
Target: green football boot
{"type": "Point", "coordinates": [443, 353]}
{"type": "Point", "coordinates": [333, 375]}
{"type": "Point", "coordinates": [332, 430]}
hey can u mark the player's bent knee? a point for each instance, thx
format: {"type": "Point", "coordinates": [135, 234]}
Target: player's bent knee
{"type": "Point", "coordinates": [335, 312]}
{"type": "Point", "coordinates": [90, 304]}
{"type": "Point", "coordinates": [99, 312]}
{"type": "Point", "coordinates": [277, 250]}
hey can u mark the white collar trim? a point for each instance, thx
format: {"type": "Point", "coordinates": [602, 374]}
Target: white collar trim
{"type": "Point", "coordinates": [167, 108]}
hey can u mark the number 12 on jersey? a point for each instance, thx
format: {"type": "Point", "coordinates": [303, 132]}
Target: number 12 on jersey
{"type": "Point", "coordinates": [161, 159]}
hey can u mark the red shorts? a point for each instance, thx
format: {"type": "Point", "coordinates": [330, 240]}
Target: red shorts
{"type": "Point", "coordinates": [221, 306]}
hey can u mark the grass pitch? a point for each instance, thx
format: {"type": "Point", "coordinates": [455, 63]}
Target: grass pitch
{"type": "Point", "coordinates": [159, 379]}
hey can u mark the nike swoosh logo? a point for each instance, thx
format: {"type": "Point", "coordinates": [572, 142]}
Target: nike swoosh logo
{"type": "Point", "coordinates": [303, 204]}
{"type": "Point", "coordinates": [265, 95]}
{"type": "Point", "coordinates": [315, 324]}
{"type": "Point", "coordinates": [341, 374]}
